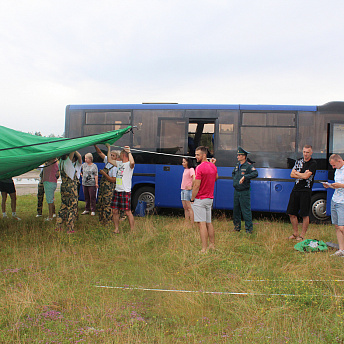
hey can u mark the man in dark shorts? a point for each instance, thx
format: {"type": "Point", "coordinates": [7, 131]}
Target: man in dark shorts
{"type": "Point", "coordinates": [300, 197]}
{"type": "Point", "coordinates": [7, 187]}
{"type": "Point", "coordinates": [122, 195]}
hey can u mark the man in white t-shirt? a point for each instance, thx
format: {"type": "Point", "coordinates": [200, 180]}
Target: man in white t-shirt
{"type": "Point", "coordinates": [337, 202]}
{"type": "Point", "coordinates": [122, 195]}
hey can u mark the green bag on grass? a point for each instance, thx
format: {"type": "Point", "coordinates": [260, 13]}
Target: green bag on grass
{"type": "Point", "coordinates": [311, 245]}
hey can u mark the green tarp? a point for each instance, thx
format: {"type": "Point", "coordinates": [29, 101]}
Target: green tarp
{"type": "Point", "coordinates": [22, 152]}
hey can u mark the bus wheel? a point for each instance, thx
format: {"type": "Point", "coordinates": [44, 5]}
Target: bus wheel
{"type": "Point", "coordinates": [146, 194]}
{"type": "Point", "coordinates": [318, 208]}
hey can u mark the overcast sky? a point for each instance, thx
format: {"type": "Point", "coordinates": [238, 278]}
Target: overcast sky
{"type": "Point", "coordinates": [55, 53]}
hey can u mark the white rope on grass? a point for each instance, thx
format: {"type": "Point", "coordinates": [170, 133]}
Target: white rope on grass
{"type": "Point", "coordinates": [210, 292]}
{"type": "Point", "coordinates": [267, 280]}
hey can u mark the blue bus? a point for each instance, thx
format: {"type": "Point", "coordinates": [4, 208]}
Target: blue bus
{"type": "Point", "coordinates": [273, 134]}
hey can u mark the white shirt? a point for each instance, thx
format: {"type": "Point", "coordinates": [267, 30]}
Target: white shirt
{"type": "Point", "coordinates": [68, 167]}
{"type": "Point", "coordinates": [112, 172]}
{"type": "Point", "coordinates": [123, 176]}
{"type": "Point", "coordinates": [338, 196]}
{"type": "Point", "coordinates": [78, 166]}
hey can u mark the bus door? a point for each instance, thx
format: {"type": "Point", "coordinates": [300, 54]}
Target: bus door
{"type": "Point", "coordinates": [171, 139]}
{"type": "Point", "coordinates": [335, 145]}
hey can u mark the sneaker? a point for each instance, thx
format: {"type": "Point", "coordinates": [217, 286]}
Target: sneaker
{"type": "Point", "coordinates": [93, 213]}
{"type": "Point", "coordinates": [39, 215]}
{"type": "Point", "coordinates": [339, 253]}
{"type": "Point", "coordinates": [85, 212]}
{"type": "Point", "coordinates": [54, 215]}
{"type": "Point", "coordinates": [4, 215]}
{"type": "Point", "coordinates": [48, 219]}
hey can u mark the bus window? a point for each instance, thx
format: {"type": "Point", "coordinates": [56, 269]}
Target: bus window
{"type": "Point", "coordinates": [201, 133]}
{"type": "Point", "coordinates": [101, 122]}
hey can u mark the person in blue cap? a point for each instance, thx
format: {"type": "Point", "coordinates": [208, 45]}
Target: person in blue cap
{"type": "Point", "coordinates": [242, 174]}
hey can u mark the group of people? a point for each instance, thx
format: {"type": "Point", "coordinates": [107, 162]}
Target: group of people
{"type": "Point", "coordinates": [197, 191]}
{"type": "Point", "coordinates": [114, 188]}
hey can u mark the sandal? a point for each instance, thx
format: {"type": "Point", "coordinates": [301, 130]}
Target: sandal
{"type": "Point", "coordinates": [293, 237]}
{"type": "Point", "coordinates": [299, 238]}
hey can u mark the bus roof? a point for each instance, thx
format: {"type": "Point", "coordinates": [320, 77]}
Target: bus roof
{"type": "Point", "coordinates": [161, 106]}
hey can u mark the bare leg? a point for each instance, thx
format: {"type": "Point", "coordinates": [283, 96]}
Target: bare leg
{"type": "Point", "coordinates": [13, 202]}
{"type": "Point", "coordinates": [203, 231]}
{"type": "Point", "coordinates": [51, 208]}
{"type": "Point", "coordinates": [340, 236]}
{"type": "Point", "coordinates": [305, 224]}
{"type": "Point", "coordinates": [130, 218]}
{"type": "Point", "coordinates": [185, 210]}
{"type": "Point", "coordinates": [295, 225]}
{"type": "Point", "coordinates": [115, 218]}
{"type": "Point", "coordinates": [3, 201]}
{"type": "Point", "coordinates": [211, 235]}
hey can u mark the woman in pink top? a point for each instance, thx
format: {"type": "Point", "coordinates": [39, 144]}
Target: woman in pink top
{"type": "Point", "coordinates": [186, 189]}
{"type": "Point", "coordinates": [50, 175]}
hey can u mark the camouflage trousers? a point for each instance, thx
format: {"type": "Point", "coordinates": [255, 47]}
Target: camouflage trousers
{"type": "Point", "coordinates": [40, 197]}
{"type": "Point", "coordinates": [105, 193]}
{"type": "Point", "coordinates": [69, 202]}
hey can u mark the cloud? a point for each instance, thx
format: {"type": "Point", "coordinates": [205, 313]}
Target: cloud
{"type": "Point", "coordinates": [59, 53]}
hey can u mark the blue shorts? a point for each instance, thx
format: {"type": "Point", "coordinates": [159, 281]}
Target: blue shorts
{"type": "Point", "coordinates": [185, 195]}
{"type": "Point", "coordinates": [49, 189]}
{"type": "Point", "coordinates": [337, 213]}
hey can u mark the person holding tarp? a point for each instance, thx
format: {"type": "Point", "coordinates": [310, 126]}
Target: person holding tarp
{"type": "Point", "coordinates": [122, 196]}
{"type": "Point", "coordinates": [337, 202]}
{"type": "Point", "coordinates": [69, 192]}
{"type": "Point", "coordinates": [106, 186]}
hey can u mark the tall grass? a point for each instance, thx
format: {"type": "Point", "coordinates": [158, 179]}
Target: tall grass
{"type": "Point", "coordinates": [50, 285]}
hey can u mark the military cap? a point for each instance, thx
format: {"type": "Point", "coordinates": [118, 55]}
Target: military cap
{"type": "Point", "coordinates": [242, 151]}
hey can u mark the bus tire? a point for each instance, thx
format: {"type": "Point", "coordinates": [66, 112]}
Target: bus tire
{"type": "Point", "coordinates": [146, 194]}
{"type": "Point", "coordinates": [318, 208]}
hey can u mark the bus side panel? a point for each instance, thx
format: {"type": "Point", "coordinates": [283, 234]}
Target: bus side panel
{"type": "Point", "coordinates": [260, 195]}
{"type": "Point", "coordinates": [224, 191]}
{"type": "Point", "coordinates": [280, 192]}
{"type": "Point", "coordinates": [143, 174]}
{"type": "Point", "coordinates": [168, 179]}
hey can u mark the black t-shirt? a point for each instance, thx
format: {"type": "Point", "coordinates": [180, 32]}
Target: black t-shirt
{"type": "Point", "coordinates": [302, 166]}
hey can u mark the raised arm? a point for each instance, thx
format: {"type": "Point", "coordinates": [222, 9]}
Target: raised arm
{"type": "Point", "coordinates": [99, 152]}
{"type": "Point", "coordinates": [78, 155]}
{"type": "Point", "coordinates": [130, 156]}
{"type": "Point", "coordinates": [111, 161]}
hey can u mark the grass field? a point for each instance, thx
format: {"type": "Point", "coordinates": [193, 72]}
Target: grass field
{"type": "Point", "coordinates": [51, 283]}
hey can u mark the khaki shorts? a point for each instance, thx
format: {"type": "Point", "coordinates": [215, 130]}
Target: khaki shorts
{"type": "Point", "coordinates": [202, 209]}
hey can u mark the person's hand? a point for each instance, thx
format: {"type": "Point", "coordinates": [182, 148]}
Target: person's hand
{"type": "Point", "coordinates": [127, 149]}
{"type": "Point", "coordinates": [97, 186]}
{"type": "Point", "coordinates": [107, 145]}
{"type": "Point", "coordinates": [241, 180]}
{"type": "Point", "coordinates": [213, 160]}
{"type": "Point", "coordinates": [101, 172]}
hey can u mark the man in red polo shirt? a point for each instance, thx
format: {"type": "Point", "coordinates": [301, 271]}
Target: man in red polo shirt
{"type": "Point", "coordinates": [202, 197]}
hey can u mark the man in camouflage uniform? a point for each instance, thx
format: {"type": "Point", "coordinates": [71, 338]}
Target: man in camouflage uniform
{"type": "Point", "coordinates": [106, 187]}
{"type": "Point", "coordinates": [242, 174]}
{"type": "Point", "coordinates": [69, 193]}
